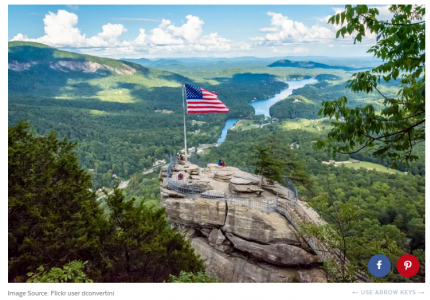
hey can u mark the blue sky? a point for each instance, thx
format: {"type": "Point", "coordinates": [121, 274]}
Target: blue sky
{"type": "Point", "coordinates": [187, 30]}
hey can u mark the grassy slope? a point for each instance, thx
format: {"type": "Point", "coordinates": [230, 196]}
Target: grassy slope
{"type": "Point", "coordinates": [372, 166]}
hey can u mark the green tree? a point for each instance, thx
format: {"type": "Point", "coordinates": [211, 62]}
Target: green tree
{"type": "Point", "coordinates": [53, 216]}
{"type": "Point", "coordinates": [266, 165]}
{"type": "Point", "coordinates": [189, 277]}
{"type": "Point", "coordinates": [71, 272]}
{"type": "Point", "coordinates": [400, 125]}
{"type": "Point", "coordinates": [275, 163]}
{"type": "Point", "coordinates": [141, 247]}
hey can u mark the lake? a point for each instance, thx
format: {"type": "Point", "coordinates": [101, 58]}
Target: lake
{"type": "Point", "coordinates": [262, 107]}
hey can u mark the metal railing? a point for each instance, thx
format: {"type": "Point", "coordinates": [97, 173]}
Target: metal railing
{"type": "Point", "coordinates": [267, 206]}
{"type": "Point", "coordinates": [289, 207]}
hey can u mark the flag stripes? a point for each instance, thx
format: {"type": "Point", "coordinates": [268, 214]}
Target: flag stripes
{"type": "Point", "coordinates": [202, 101]}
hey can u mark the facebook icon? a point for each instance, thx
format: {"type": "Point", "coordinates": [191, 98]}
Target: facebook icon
{"type": "Point", "coordinates": [379, 265]}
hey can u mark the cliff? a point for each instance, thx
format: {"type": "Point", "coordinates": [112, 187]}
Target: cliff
{"type": "Point", "coordinates": [234, 227]}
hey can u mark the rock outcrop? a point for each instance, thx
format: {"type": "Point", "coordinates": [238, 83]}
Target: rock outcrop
{"type": "Point", "coordinates": [199, 212]}
{"type": "Point", "coordinates": [237, 243]}
{"type": "Point", "coordinates": [261, 227]}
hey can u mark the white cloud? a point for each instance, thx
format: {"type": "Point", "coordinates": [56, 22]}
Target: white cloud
{"type": "Point", "coordinates": [190, 31]}
{"type": "Point", "coordinates": [289, 30]}
{"type": "Point", "coordinates": [270, 29]}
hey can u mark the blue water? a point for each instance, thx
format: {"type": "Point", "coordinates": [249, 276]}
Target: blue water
{"type": "Point", "coordinates": [228, 124]}
{"type": "Point", "coordinates": [262, 107]}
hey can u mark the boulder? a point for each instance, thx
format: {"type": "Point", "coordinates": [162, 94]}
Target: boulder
{"type": "Point", "coordinates": [311, 275]}
{"type": "Point", "coordinates": [198, 184]}
{"type": "Point", "coordinates": [188, 168]}
{"type": "Point", "coordinates": [171, 193]}
{"type": "Point", "coordinates": [205, 231]}
{"type": "Point", "coordinates": [223, 176]}
{"type": "Point", "coordinates": [188, 233]}
{"type": "Point", "coordinates": [216, 237]}
{"type": "Point", "coordinates": [261, 227]}
{"type": "Point", "coordinates": [250, 188]}
{"type": "Point", "coordinates": [278, 254]}
{"type": "Point", "coordinates": [240, 181]}
{"type": "Point", "coordinates": [229, 267]}
{"type": "Point", "coordinates": [163, 168]}
{"type": "Point", "coordinates": [280, 190]}
{"type": "Point", "coordinates": [253, 178]}
{"type": "Point", "coordinates": [195, 177]}
{"type": "Point", "coordinates": [196, 211]}
{"type": "Point", "coordinates": [163, 183]}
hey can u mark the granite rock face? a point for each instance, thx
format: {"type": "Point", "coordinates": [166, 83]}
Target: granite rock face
{"type": "Point", "coordinates": [232, 268]}
{"type": "Point", "coordinates": [199, 212]}
{"type": "Point", "coordinates": [238, 243]}
{"type": "Point", "coordinates": [261, 227]}
{"type": "Point", "coordinates": [278, 254]}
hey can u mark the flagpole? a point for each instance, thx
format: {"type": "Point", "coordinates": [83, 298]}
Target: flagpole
{"type": "Point", "coordinates": [185, 128]}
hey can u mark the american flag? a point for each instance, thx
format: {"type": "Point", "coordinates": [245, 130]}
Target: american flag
{"type": "Point", "coordinates": [200, 101]}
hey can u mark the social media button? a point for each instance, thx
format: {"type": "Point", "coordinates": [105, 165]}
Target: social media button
{"type": "Point", "coordinates": [408, 265]}
{"type": "Point", "coordinates": [379, 265]}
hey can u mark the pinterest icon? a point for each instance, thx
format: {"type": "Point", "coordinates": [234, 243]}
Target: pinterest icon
{"type": "Point", "coordinates": [408, 265]}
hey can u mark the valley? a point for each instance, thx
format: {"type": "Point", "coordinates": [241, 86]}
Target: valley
{"type": "Point", "coordinates": [125, 116]}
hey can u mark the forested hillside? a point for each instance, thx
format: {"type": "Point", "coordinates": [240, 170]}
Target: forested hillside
{"type": "Point", "coordinates": [124, 116]}
{"type": "Point", "coordinates": [308, 65]}
{"type": "Point", "coordinates": [389, 208]}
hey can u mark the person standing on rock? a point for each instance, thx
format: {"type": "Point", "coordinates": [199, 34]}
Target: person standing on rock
{"type": "Point", "coordinates": [223, 164]}
{"type": "Point", "coordinates": [219, 163]}
{"type": "Point", "coordinates": [180, 176]}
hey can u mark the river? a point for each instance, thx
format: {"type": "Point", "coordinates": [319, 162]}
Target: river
{"type": "Point", "coordinates": [262, 107]}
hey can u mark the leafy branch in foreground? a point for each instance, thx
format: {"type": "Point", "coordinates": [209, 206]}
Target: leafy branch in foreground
{"type": "Point", "coordinates": [395, 130]}
{"type": "Point", "coordinates": [189, 277]}
{"type": "Point", "coordinates": [71, 272]}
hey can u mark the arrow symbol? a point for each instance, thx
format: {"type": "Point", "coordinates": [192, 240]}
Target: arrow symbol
{"type": "Point", "coordinates": [420, 292]}
{"type": "Point", "coordinates": [355, 292]}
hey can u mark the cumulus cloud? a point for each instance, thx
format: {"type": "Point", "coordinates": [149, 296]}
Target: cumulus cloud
{"type": "Point", "coordinates": [61, 31]}
{"type": "Point", "coordinates": [269, 29]}
{"type": "Point", "coordinates": [292, 30]}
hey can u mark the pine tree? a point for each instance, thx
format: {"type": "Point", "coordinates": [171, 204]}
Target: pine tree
{"type": "Point", "coordinates": [53, 215]}
{"type": "Point", "coordinates": [141, 247]}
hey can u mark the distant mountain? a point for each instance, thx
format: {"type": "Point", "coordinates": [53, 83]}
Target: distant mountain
{"type": "Point", "coordinates": [156, 62]}
{"type": "Point", "coordinates": [24, 56]}
{"type": "Point", "coordinates": [309, 65]}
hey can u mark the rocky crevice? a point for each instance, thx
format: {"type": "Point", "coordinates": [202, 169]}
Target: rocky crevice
{"type": "Point", "coordinates": [238, 243]}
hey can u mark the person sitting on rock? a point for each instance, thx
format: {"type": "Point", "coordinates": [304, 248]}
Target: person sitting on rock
{"type": "Point", "coordinates": [180, 176]}
{"type": "Point", "coordinates": [223, 164]}
{"type": "Point", "coordinates": [219, 163]}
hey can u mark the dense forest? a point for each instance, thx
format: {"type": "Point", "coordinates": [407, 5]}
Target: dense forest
{"type": "Point", "coordinates": [123, 122]}
{"type": "Point", "coordinates": [112, 119]}
{"type": "Point", "coordinates": [389, 205]}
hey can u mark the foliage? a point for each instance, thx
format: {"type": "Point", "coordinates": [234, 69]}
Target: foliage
{"type": "Point", "coordinates": [189, 277]}
{"type": "Point", "coordinates": [71, 272]}
{"type": "Point", "coordinates": [140, 247]}
{"type": "Point", "coordinates": [379, 210]}
{"type": "Point", "coordinates": [53, 216]}
{"type": "Point", "coordinates": [118, 118]}
{"type": "Point", "coordinates": [400, 125]}
{"type": "Point", "coordinates": [273, 162]}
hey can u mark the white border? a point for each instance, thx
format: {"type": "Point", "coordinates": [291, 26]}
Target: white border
{"type": "Point", "coordinates": [182, 291]}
